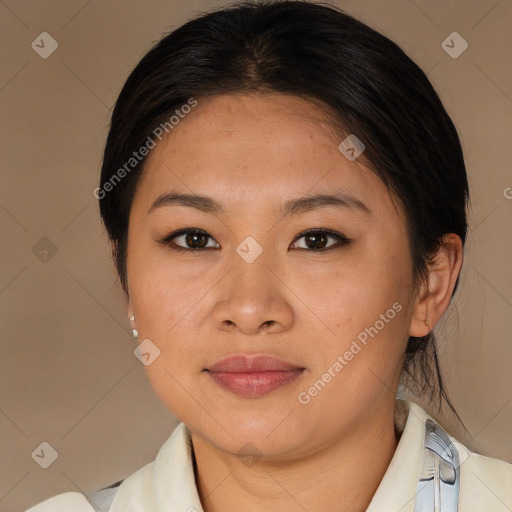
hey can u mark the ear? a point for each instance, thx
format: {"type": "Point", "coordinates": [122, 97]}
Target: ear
{"type": "Point", "coordinates": [436, 290]}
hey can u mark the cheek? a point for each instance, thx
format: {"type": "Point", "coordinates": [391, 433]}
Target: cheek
{"type": "Point", "coordinates": [362, 302]}
{"type": "Point", "coordinates": [163, 290]}
{"type": "Point", "coordinates": [355, 285]}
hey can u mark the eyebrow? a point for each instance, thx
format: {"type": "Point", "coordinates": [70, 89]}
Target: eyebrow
{"type": "Point", "coordinates": [291, 207]}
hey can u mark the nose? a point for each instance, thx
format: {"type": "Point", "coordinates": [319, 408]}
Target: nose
{"type": "Point", "coordinates": [253, 299]}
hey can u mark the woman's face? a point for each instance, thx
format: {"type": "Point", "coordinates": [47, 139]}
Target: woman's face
{"type": "Point", "coordinates": [338, 310]}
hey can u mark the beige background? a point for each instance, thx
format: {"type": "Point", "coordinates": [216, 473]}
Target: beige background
{"type": "Point", "coordinates": [68, 375]}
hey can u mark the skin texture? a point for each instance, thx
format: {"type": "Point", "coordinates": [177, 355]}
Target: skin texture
{"type": "Point", "coordinates": [252, 153]}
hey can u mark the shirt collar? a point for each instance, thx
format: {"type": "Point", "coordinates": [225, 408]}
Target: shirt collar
{"type": "Point", "coordinates": [397, 489]}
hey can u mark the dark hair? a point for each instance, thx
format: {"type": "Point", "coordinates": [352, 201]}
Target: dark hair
{"type": "Point", "coordinates": [315, 51]}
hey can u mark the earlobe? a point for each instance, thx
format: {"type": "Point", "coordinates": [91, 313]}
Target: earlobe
{"type": "Point", "coordinates": [420, 324]}
{"type": "Point", "coordinates": [437, 290]}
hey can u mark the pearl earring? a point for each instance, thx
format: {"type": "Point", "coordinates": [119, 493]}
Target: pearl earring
{"type": "Point", "coordinates": [135, 333]}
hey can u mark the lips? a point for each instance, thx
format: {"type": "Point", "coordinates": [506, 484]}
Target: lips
{"type": "Point", "coordinates": [253, 376]}
{"type": "Point", "coordinates": [247, 364]}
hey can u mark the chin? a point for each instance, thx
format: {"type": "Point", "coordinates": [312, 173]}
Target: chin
{"type": "Point", "coordinates": [253, 435]}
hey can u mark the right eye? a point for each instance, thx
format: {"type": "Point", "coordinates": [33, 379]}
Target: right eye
{"type": "Point", "coordinates": [193, 239]}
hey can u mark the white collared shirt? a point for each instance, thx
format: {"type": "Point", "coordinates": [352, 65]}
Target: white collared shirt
{"type": "Point", "coordinates": [168, 483]}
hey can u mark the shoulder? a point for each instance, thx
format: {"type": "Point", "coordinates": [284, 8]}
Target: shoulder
{"type": "Point", "coordinates": [135, 492]}
{"type": "Point", "coordinates": [486, 483]}
{"type": "Point", "coordinates": [98, 501]}
{"type": "Point", "coordinates": [64, 503]}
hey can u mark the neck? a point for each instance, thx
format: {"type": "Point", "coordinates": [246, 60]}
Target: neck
{"type": "Point", "coordinates": [342, 476]}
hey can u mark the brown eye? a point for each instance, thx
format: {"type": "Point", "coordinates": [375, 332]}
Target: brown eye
{"type": "Point", "coordinates": [189, 240]}
{"type": "Point", "coordinates": [196, 240]}
{"type": "Point", "coordinates": [317, 239]}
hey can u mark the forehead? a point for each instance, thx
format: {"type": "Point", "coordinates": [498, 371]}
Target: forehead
{"type": "Point", "coordinates": [245, 147]}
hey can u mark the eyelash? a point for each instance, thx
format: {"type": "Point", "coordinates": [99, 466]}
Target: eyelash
{"type": "Point", "coordinates": [342, 240]}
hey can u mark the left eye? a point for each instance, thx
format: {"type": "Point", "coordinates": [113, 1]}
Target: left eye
{"type": "Point", "coordinates": [316, 239]}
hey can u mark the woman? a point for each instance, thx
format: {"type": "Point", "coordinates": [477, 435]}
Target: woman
{"type": "Point", "coordinates": [286, 200]}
